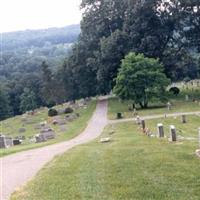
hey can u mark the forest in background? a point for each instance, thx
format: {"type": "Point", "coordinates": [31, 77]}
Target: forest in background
{"type": "Point", "coordinates": [22, 54]}
{"type": "Point", "coordinates": [165, 30]}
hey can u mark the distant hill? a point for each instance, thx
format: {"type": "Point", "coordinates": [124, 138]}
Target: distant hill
{"type": "Point", "coordinates": [24, 51]}
{"type": "Point", "coordinates": [39, 38]}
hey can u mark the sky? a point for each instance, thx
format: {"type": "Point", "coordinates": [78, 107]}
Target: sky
{"type": "Point", "coordinates": [38, 14]}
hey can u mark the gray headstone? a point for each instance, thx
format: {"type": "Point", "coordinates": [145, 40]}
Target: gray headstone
{"type": "Point", "coordinates": [5, 142]}
{"type": "Point", "coordinates": [143, 125]}
{"type": "Point", "coordinates": [16, 142]}
{"type": "Point", "coordinates": [22, 130]}
{"type": "Point", "coordinates": [160, 130]}
{"type": "Point", "coordinates": [184, 119]}
{"type": "Point", "coordinates": [173, 133]}
{"type": "Point", "coordinates": [2, 141]}
{"type": "Point", "coordinates": [199, 137]}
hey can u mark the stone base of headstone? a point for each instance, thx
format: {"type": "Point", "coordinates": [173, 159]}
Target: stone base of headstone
{"type": "Point", "coordinates": [105, 140]}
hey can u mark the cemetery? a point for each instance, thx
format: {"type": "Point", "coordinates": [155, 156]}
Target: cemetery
{"type": "Point", "coordinates": [128, 162]}
{"type": "Point", "coordinates": [186, 101]}
{"type": "Point", "coordinates": [35, 129]}
{"type": "Point", "coordinates": [139, 150]}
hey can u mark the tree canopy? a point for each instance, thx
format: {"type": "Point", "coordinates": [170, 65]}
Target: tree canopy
{"type": "Point", "coordinates": [167, 30]}
{"type": "Point", "coordinates": [141, 80]}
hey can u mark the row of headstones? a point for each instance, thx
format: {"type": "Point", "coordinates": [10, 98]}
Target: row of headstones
{"type": "Point", "coordinates": [6, 142]}
{"type": "Point", "coordinates": [161, 130]}
{"type": "Point", "coordinates": [190, 83]}
{"type": "Point", "coordinates": [172, 133]}
{"type": "Point", "coordinates": [45, 134]}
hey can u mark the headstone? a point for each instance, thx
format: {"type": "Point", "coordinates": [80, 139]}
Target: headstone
{"type": "Point", "coordinates": [169, 105]}
{"type": "Point", "coordinates": [199, 137]}
{"type": "Point", "coordinates": [55, 122]}
{"type": "Point", "coordinates": [42, 124]}
{"type": "Point", "coordinates": [160, 130]}
{"type": "Point", "coordinates": [134, 112]}
{"type": "Point", "coordinates": [61, 111]}
{"type": "Point", "coordinates": [63, 128]}
{"type": "Point", "coordinates": [22, 130]}
{"type": "Point", "coordinates": [2, 141]}
{"type": "Point", "coordinates": [70, 117]}
{"type": "Point", "coordinates": [16, 142]}
{"type": "Point", "coordinates": [47, 134]}
{"type": "Point", "coordinates": [143, 125]}
{"type": "Point", "coordinates": [40, 138]}
{"type": "Point", "coordinates": [138, 120]}
{"type": "Point", "coordinates": [184, 119]}
{"type": "Point", "coordinates": [173, 133]}
{"type": "Point", "coordinates": [186, 97]}
{"type": "Point", "coordinates": [5, 142]}
{"type": "Point", "coordinates": [21, 137]}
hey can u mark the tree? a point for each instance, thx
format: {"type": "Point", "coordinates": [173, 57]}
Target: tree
{"type": "Point", "coordinates": [28, 100]}
{"type": "Point", "coordinates": [141, 79]}
{"type": "Point", "coordinates": [5, 109]}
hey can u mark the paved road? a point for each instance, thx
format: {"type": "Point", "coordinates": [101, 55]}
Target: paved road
{"type": "Point", "coordinates": [153, 117]}
{"type": "Point", "coordinates": [17, 169]}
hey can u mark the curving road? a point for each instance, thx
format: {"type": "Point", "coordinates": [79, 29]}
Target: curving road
{"type": "Point", "coordinates": [17, 169]}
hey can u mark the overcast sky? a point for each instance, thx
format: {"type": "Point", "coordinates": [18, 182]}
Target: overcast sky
{"type": "Point", "coordinates": [35, 14]}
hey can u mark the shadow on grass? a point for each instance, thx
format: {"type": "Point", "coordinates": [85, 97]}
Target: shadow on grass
{"type": "Point", "coordinates": [152, 107]}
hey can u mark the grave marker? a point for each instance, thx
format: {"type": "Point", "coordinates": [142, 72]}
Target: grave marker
{"type": "Point", "coordinates": [143, 125]}
{"type": "Point", "coordinates": [184, 119]}
{"type": "Point", "coordinates": [160, 130]}
{"type": "Point", "coordinates": [5, 142]}
{"type": "Point", "coordinates": [173, 133]}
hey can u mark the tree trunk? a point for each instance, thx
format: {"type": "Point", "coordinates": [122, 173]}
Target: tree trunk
{"type": "Point", "coordinates": [143, 105]}
{"type": "Point", "coordinates": [146, 105]}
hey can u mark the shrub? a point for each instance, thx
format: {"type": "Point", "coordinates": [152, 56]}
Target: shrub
{"type": "Point", "coordinates": [174, 90]}
{"type": "Point", "coordinates": [119, 115]}
{"type": "Point", "coordinates": [52, 112]}
{"type": "Point", "coordinates": [68, 110]}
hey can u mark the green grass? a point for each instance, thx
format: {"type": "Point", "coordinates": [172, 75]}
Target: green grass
{"type": "Point", "coordinates": [178, 105]}
{"type": "Point", "coordinates": [131, 167]}
{"type": "Point", "coordinates": [12, 125]}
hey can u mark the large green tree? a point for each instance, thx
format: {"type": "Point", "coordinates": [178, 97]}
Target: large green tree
{"type": "Point", "coordinates": [28, 100]}
{"type": "Point", "coordinates": [5, 109]}
{"type": "Point", "coordinates": [141, 80]}
{"type": "Point", "coordinates": [110, 29]}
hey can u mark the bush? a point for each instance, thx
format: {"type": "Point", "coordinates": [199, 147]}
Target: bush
{"type": "Point", "coordinates": [174, 90]}
{"type": "Point", "coordinates": [52, 112]}
{"type": "Point", "coordinates": [68, 110]}
{"type": "Point", "coordinates": [119, 115]}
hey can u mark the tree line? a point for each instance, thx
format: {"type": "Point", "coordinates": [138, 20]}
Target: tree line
{"type": "Point", "coordinates": [110, 29]}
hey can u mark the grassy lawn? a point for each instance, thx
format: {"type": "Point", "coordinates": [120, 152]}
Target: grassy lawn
{"type": "Point", "coordinates": [178, 105]}
{"type": "Point", "coordinates": [11, 126]}
{"type": "Point", "coordinates": [131, 167]}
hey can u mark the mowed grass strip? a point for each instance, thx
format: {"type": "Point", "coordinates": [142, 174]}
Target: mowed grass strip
{"type": "Point", "coordinates": [73, 129]}
{"type": "Point", "coordinates": [131, 167]}
{"type": "Point", "coordinates": [178, 105]}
